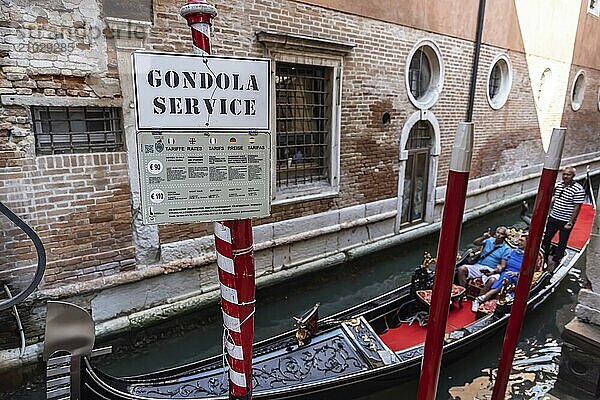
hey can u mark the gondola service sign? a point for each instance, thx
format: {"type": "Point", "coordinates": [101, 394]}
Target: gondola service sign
{"type": "Point", "coordinates": [203, 143]}
{"type": "Point", "coordinates": [187, 91]}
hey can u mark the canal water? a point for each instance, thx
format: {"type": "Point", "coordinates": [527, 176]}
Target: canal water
{"type": "Point", "coordinates": [195, 336]}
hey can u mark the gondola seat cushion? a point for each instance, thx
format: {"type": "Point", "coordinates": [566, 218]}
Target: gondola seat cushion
{"type": "Point", "coordinates": [457, 294]}
{"type": "Point", "coordinates": [488, 307]}
{"type": "Point", "coordinates": [474, 287]}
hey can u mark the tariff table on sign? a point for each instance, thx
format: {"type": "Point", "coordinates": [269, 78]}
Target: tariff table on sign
{"type": "Point", "coordinates": [193, 177]}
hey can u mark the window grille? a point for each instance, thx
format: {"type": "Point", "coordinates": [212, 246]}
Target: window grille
{"type": "Point", "coordinates": [303, 97]}
{"type": "Point", "coordinates": [419, 137]}
{"type": "Point", "coordinates": [65, 130]}
{"type": "Point", "coordinates": [419, 74]}
{"type": "Point", "coordinates": [495, 80]}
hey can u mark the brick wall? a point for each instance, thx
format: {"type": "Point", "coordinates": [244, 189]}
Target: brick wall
{"type": "Point", "coordinates": [78, 204]}
{"type": "Point", "coordinates": [373, 83]}
{"type": "Point", "coordinates": [583, 126]}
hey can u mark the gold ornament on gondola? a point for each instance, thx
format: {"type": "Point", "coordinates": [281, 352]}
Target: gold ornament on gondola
{"type": "Point", "coordinates": [307, 325]}
{"type": "Point", "coordinates": [513, 235]}
{"type": "Point", "coordinates": [301, 332]}
{"type": "Point", "coordinates": [428, 260]}
{"type": "Point", "coordinates": [503, 296]}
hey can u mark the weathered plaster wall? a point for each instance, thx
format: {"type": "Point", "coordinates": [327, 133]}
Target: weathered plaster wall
{"type": "Point", "coordinates": [55, 53]}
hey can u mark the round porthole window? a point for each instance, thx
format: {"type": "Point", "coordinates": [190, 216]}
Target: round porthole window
{"type": "Point", "coordinates": [578, 91]}
{"type": "Point", "coordinates": [542, 99]}
{"type": "Point", "coordinates": [499, 81]}
{"type": "Point", "coordinates": [424, 74]}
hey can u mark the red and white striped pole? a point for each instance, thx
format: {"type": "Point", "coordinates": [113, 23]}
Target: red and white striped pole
{"type": "Point", "coordinates": [235, 253]}
{"type": "Point", "coordinates": [199, 15]}
{"type": "Point", "coordinates": [235, 258]}
{"type": "Point", "coordinates": [536, 231]}
{"type": "Point", "coordinates": [454, 206]}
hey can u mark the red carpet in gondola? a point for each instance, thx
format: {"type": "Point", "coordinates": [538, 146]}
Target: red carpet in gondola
{"type": "Point", "coordinates": [582, 229]}
{"type": "Point", "coordinates": [406, 335]}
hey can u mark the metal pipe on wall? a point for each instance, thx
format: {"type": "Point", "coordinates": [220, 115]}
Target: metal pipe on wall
{"type": "Point", "coordinates": [476, 54]}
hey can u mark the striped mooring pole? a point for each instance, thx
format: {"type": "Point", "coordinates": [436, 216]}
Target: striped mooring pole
{"type": "Point", "coordinates": [235, 251]}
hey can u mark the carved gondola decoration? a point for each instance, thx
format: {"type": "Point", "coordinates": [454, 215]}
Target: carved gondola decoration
{"type": "Point", "coordinates": [307, 325]}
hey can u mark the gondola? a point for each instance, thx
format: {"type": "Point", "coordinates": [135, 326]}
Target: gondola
{"type": "Point", "coordinates": [370, 346]}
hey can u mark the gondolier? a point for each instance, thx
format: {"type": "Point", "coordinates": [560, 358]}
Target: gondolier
{"type": "Point", "coordinates": [566, 203]}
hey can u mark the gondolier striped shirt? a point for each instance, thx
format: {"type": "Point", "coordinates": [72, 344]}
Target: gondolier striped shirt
{"type": "Point", "coordinates": [565, 199]}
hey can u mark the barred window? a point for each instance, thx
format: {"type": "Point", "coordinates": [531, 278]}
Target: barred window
{"type": "Point", "coordinates": [578, 91]}
{"type": "Point", "coordinates": [303, 98]}
{"type": "Point", "coordinates": [499, 81]}
{"type": "Point", "coordinates": [420, 137]}
{"type": "Point", "coordinates": [424, 74]}
{"type": "Point", "coordinates": [65, 130]}
{"type": "Point", "coordinates": [419, 74]}
{"type": "Point", "coordinates": [495, 80]}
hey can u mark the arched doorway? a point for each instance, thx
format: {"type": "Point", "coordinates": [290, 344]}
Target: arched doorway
{"type": "Point", "coordinates": [416, 173]}
{"type": "Point", "coordinates": [419, 151]}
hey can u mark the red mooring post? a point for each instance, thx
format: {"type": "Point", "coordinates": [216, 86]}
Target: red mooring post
{"type": "Point", "coordinates": [235, 251]}
{"type": "Point", "coordinates": [456, 190]}
{"type": "Point", "coordinates": [536, 231]}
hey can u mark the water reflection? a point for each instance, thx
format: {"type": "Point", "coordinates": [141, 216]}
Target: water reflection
{"type": "Point", "coordinates": [534, 371]}
{"type": "Point", "coordinates": [535, 367]}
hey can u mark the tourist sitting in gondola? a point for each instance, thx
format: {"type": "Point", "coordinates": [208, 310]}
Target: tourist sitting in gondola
{"type": "Point", "coordinates": [494, 254]}
{"type": "Point", "coordinates": [509, 274]}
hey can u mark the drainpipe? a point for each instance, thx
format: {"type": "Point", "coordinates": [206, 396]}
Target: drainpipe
{"type": "Point", "coordinates": [475, 60]}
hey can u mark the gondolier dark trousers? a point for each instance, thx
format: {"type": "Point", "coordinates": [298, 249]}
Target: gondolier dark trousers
{"type": "Point", "coordinates": [552, 226]}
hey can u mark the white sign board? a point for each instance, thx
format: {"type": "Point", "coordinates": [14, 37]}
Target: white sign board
{"type": "Point", "coordinates": [200, 92]}
{"type": "Point", "coordinates": [193, 177]}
